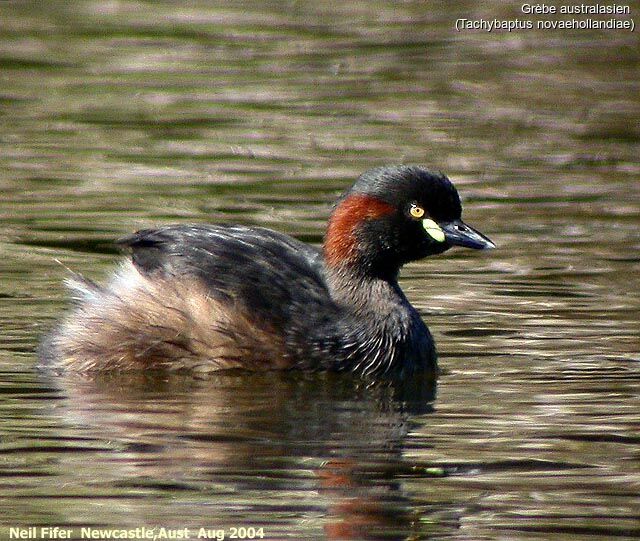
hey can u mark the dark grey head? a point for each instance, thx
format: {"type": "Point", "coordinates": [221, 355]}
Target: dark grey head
{"type": "Point", "coordinates": [396, 214]}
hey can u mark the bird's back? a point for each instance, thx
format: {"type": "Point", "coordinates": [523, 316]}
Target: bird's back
{"type": "Point", "coordinates": [200, 297]}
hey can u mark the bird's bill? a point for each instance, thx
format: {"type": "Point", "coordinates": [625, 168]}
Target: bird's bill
{"type": "Point", "coordinates": [457, 233]}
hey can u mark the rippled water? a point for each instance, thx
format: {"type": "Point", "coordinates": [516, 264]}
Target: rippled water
{"type": "Point", "coordinates": [120, 115]}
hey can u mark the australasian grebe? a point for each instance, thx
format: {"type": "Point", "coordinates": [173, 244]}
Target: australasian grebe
{"type": "Point", "coordinates": [209, 297]}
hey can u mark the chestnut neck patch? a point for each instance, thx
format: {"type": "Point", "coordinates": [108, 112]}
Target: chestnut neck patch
{"type": "Point", "coordinates": [340, 246]}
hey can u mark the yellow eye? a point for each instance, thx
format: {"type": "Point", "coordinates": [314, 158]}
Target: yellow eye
{"type": "Point", "coordinates": [416, 211]}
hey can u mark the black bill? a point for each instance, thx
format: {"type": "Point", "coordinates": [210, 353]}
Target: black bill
{"type": "Point", "coordinates": [457, 233]}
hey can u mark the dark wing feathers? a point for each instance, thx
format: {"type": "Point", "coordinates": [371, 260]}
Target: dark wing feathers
{"type": "Point", "coordinates": [267, 273]}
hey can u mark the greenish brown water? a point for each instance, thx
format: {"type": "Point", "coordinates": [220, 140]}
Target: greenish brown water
{"type": "Point", "coordinates": [127, 114]}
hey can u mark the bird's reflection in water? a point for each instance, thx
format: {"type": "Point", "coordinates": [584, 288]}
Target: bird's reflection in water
{"type": "Point", "coordinates": [324, 443]}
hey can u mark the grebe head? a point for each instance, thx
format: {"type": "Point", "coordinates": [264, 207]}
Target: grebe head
{"type": "Point", "coordinates": [393, 215]}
